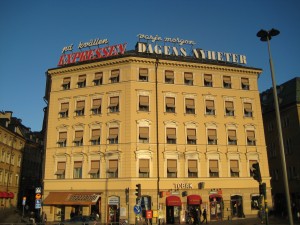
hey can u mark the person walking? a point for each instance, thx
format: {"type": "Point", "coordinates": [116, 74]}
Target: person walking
{"type": "Point", "coordinates": [204, 214]}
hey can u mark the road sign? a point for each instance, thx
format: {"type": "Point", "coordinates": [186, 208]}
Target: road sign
{"type": "Point", "coordinates": [38, 203]}
{"type": "Point", "coordinates": [137, 209]}
{"type": "Point", "coordinates": [38, 190]}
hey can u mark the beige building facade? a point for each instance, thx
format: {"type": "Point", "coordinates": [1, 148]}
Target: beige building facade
{"type": "Point", "coordinates": [188, 131]}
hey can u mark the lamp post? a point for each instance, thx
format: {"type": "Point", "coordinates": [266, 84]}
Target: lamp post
{"type": "Point", "coordinates": [267, 36]}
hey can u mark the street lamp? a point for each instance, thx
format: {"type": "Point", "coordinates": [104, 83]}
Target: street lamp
{"type": "Point", "coordinates": [267, 36]}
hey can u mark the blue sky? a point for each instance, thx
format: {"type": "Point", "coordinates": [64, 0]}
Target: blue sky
{"type": "Point", "coordinates": [33, 33]}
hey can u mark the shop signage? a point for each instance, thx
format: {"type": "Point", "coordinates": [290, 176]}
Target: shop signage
{"type": "Point", "coordinates": [183, 186]}
{"type": "Point", "coordinates": [215, 191]}
{"type": "Point", "coordinates": [113, 200]}
{"type": "Point", "coordinates": [153, 47]}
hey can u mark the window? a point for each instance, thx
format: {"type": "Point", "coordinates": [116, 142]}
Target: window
{"type": "Point", "coordinates": [172, 168]}
{"type": "Point", "coordinates": [171, 135]}
{"type": "Point", "coordinates": [95, 139]}
{"type": "Point", "coordinates": [64, 110]}
{"type": "Point", "coordinates": [247, 109]}
{"type": "Point", "coordinates": [208, 80]}
{"type": "Point", "coordinates": [255, 200]}
{"type": "Point", "coordinates": [169, 77]}
{"type": "Point", "coordinates": [213, 168]}
{"type": "Point", "coordinates": [245, 83]}
{"type": "Point", "coordinates": [78, 140]}
{"type": "Point", "coordinates": [251, 162]}
{"type": "Point", "coordinates": [19, 161]}
{"type": "Point", "coordinates": [115, 76]}
{"type": "Point", "coordinates": [288, 146]}
{"type": "Point", "coordinates": [192, 168]}
{"type": "Point", "coordinates": [170, 105]}
{"type": "Point", "coordinates": [210, 107]}
{"type": "Point", "coordinates": [81, 81]}
{"type": "Point", "coordinates": [144, 168]}
{"type": "Point", "coordinates": [60, 172]}
{"type": "Point", "coordinates": [191, 136]}
{"type": "Point", "coordinates": [143, 103]}
{"type": "Point", "coordinates": [66, 83]}
{"type": "Point", "coordinates": [212, 136]}
{"type": "Point", "coordinates": [251, 138]}
{"type": "Point", "coordinates": [229, 108]}
{"type": "Point", "coordinates": [232, 140]}
{"type": "Point", "coordinates": [188, 78]}
{"type": "Point", "coordinates": [77, 174]}
{"type": "Point", "coordinates": [114, 104]}
{"type": "Point", "coordinates": [113, 135]}
{"type": "Point", "coordinates": [226, 81]}
{"type": "Point", "coordinates": [144, 135]}
{"type": "Point", "coordinates": [96, 108]}
{"type": "Point", "coordinates": [234, 168]}
{"type": "Point", "coordinates": [143, 74]}
{"type": "Point", "coordinates": [62, 139]}
{"type": "Point", "coordinates": [98, 78]}
{"type": "Point", "coordinates": [112, 171]}
{"type": "Point", "coordinates": [190, 106]}
{"type": "Point", "coordinates": [80, 108]}
{"type": "Point", "coordinates": [95, 168]}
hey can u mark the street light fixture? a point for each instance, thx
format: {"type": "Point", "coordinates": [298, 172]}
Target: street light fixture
{"type": "Point", "coordinates": [267, 36]}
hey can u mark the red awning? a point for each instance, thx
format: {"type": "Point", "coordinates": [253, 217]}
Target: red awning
{"type": "Point", "coordinates": [194, 200]}
{"type": "Point", "coordinates": [5, 195]}
{"type": "Point", "coordinates": [215, 196]}
{"type": "Point", "coordinates": [173, 201]}
{"type": "Point", "coordinates": [11, 195]}
{"type": "Point", "coordinates": [1, 194]}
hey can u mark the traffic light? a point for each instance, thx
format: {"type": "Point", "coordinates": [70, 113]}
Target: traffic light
{"type": "Point", "coordinates": [127, 195]}
{"type": "Point", "coordinates": [256, 172]}
{"type": "Point", "coordinates": [138, 190]}
{"type": "Point", "coordinates": [262, 189]}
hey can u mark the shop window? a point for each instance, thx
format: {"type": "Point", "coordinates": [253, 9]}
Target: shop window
{"type": "Point", "coordinates": [171, 135]}
{"type": "Point", "coordinates": [245, 83]}
{"type": "Point", "coordinates": [227, 82]}
{"type": "Point", "coordinates": [212, 137]}
{"type": "Point", "coordinates": [144, 134]}
{"type": "Point", "coordinates": [251, 141]}
{"type": "Point", "coordinates": [77, 173]}
{"type": "Point", "coordinates": [208, 80]}
{"type": "Point", "coordinates": [115, 76]}
{"type": "Point", "coordinates": [66, 83]}
{"type": "Point", "coordinates": [210, 107]}
{"type": "Point", "coordinates": [213, 168]}
{"type": "Point", "coordinates": [248, 109]}
{"type": "Point", "coordinates": [79, 111]}
{"type": "Point", "coordinates": [188, 78]}
{"type": "Point", "coordinates": [95, 168]}
{"type": "Point", "coordinates": [234, 168]}
{"type": "Point", "coordinates": [114, 104]}
{"type": "Point", "coordinates": [62, 139]}
{"type": "Point", "coordinates": [232, 140]}
{"type": "Point", "coordinates": [98, 78]}
{"type": "Point", "coordinates": [190, 106]}
{"type": "Point", "coordinates": [191, 136]}
{"type": "Point", "coordinates": [95, 139]}
{"type": "Point", "coordinates": [81, 81]}
{"type": "Point", "coordinates": [169, 77]}
{"type": "Point", "coordinates": [96, 107]}
{"type": "Point", "coordinates": [113, 137]}
{"type": "Point", "coordinates": [60, 172]}
{"type": "Point", "coordinates": [172, 168]}
{"type": "Point", "coordinates": [229, 108]}
{"type": "Point", "coordinates": [192, 168]}
{"type": "Point", "coordinates": [144, 168]}
{"type": "Point", "coordinates": [144, 103]}
{"type": "Point", "coordinates": [255, 200]}
{"type": "Point", "coordinates": [112, 171]}
{"type": "Point", "coordinates": [143, 74]}
{"type": "Point", "coordinates": [64, 110]}
{"type": "Point", "coordinates": [78, 140]}
{"type": "Point", "coordinates": [170, 104]}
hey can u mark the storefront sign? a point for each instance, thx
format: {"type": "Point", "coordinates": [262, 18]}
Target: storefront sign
{"type": "Point", "coordinates": [113, 200]}
{"type": "Point", "coordinates": [91, 43]}
{"type": "Point", "coordinates": [179, 50]}
{"type": "Point", "coordinates": [183, 186]}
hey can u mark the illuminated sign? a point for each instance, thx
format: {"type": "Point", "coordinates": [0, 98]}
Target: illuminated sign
{"type": "Point", "coordinates": [154, 48]}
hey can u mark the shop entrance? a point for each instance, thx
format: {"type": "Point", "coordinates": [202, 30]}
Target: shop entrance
{"type": "Point", "coordinates": [193, 214]}
{"type": "Point", "coordinates": [216, 207]}
{"type": "Point", "coordinates": [237, 206]}
{"type": "Point", "coordinates": [113, 211]}
{"type": "Point", "coordinates": [173, 208]}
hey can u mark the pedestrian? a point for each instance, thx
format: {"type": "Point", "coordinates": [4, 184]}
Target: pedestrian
{"type": "Point", "coordinates": [204, 216]}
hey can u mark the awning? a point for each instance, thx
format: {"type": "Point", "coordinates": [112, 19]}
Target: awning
{"type": "Point", "coordinates": [5, 194]}
{"type": "Point", "coordinates": [194, 200]}
{"type": "Point", "coordinates": [1, 194]}
{"type": "Point", "coordinates": [72, 198]}
{"type": "Point", "coordinates": [173, 201]}
{"type": "Point", "coordinates": [11, 195]}
{"type": "Point", "coordinates": [215, 196]}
